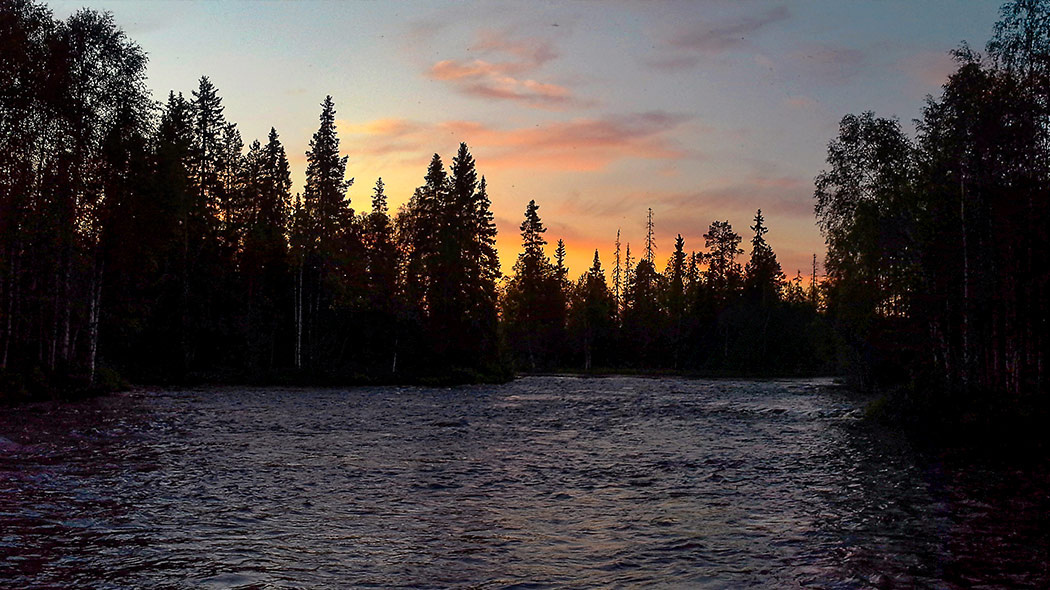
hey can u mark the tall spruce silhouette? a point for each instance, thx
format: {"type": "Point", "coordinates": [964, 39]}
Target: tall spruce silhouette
{"type": "Point", "coordinates": [533, 303]}
{"type": "Point", "coordinates": [327, 232]}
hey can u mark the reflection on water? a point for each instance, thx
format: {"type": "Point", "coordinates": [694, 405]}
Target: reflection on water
{"type": "Point", "coordinates": [545, 482]}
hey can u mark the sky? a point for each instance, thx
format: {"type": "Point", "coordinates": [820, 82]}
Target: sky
{"type": "Point", "coordinates": [702, 110]}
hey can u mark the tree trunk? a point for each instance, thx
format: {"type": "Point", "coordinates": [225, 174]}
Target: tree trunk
{"type": "Point", "coordinates": [93, 320]}
{"type": "Point", "coordinates": [299, 318]}
{"type": "Point", "coordinates": [966, 291]}
{"type": "Point", "coordinates": [67, 305]}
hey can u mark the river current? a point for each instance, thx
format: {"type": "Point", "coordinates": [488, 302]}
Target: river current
{"type": "Point", "coordinates": [546, 482]}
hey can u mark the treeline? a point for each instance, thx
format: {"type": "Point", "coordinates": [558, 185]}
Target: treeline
{"type": "Point", "coordinates": [149, 239]}
{"type": "Point", "coordinates": [706, 312]}
{"type": "Point", "coordinates": [146, 239]}
{"type": "Point", "coordinates": [939, 247]}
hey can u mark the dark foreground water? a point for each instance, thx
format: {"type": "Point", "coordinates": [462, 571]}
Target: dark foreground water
{"type": "Point", "coordinates": [545, 482]}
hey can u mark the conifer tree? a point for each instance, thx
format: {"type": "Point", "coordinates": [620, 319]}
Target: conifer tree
{"type": "Point", "coordinates": [325, 194]}
{"type": "Point", "coordinates": [814, 294]}
{"type": "Point", "coordinates": [265, 263]}
{"type": "Point", "coordinates": [328, 235]}
{"type": "Point", "coordinates": [591, 317]}
{"type": "Point", "coordinates": [382, 323]}
{"type": "Point", "coordinates": [473, 266]}
{"type": "Point", "coordinates": [559, 261]}
{"type": "Point", "coordinates": [650, 241]}
{"type": "Point", "coordinates": [763, 278]}
{"type": "Point", "coordinates": [617, 277]}
{"type": "Point", "coordinates": [206, 154]}
{"type": "Point", "coordinates": [533, 294]}
{"type": "Point", "coordinates": [628, 280]}
{"type": "Point", "coordinates": [381, 250]}
{"type": "Point", "coordinates": [674, 297]}
{"type": "Point", "coordinates": [723, 271]}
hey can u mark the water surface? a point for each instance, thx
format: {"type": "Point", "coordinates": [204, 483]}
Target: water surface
{"type": "Point", "coordinates": [547, 482]}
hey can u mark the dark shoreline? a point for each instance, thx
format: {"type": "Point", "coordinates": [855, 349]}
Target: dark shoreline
{"type": "Point", "coordinates": [938, 426]}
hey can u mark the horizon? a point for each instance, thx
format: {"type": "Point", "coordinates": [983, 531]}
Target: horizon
{"type": "Point", "coordinates": [701, 111]}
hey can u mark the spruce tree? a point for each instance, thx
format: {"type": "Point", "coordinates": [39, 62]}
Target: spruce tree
{"type": "Point", "coordinates": [533, 304]}
{"type": "Point", "coordinates": [763, 278]}
{"type": "Point", "coordinates": [329, 270]}
{"type": "Point", "coordinates": [723, 271]}
{"type": "Point", "coordinates": [592, 317]}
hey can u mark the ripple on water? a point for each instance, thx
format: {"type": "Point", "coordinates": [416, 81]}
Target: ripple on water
{"type": "Point", "coordinates": [547, 482]}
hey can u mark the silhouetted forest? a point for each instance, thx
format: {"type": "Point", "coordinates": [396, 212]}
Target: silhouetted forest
{"type": "Point", "coordinates": [938, 254]}
{"type": "Point", "coordinates": [707, 312]}
{"type": "Point", "coordinates": [145, 239]}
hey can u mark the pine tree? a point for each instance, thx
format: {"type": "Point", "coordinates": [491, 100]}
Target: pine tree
{"type": "Point", "coordinates": [628, 280]}
{"type": "Point", "coordinates": [591, 317]}
{"type": "Point", "coordinates": [325, 194]}
{"type": "Point", "coordinates": [381, 253]}
{"type": "Point", "coordinates": [559, 261]}
{"type": "Point", "coordinates": [814, 294]}
{"type": "Point", "coordinates": [382, 327]}
{"type": "Point", "coordinates": [478, 261]}
{"type": "Point", "coordinates": [533, 305]}
{"type": "Point", "coordinates": [265, 263]}
{"type": "Point", "coordinates": [206, 154]}
{"type": "Point", "coordinates": [763, 278]}
{"type": "Point", "coordinates": [329, 233]}
{"type": "Point", "coordinates": [674, 297]}
{"type": "Point", "coordinates": [650, 242]}
{"type": "Point", "coordinates": [723, 272]}
{"type": "Point", "coordinates": [617, 278]}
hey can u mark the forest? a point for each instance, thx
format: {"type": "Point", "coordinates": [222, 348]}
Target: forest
{"type": "Point", "coordinates": [938, 244]}
{"type": "Point", "coordinates": [147, 240]}
{"type": "Point", "coordinates": [144, 240]}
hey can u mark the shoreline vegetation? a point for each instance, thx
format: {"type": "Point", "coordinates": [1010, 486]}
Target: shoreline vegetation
{"type": "Point", "coordinates": [935, 289]}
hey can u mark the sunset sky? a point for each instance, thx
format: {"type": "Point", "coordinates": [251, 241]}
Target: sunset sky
{"type": "Point", "coordinates": [597, 110]}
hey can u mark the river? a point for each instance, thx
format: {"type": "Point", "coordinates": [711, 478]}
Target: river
{"type": "Point", "coordinates": [545, 482]}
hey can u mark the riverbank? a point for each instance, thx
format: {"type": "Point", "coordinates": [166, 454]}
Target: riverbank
{"type": "Point", "coordinates": [37, 385]}
{"type": "Point", "coordinates": [683, 374]}
{"type": "Point", "coordinates": [981, 424]}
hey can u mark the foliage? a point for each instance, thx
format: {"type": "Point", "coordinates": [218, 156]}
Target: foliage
{"type": "Point", "coordinates": [937, 248]}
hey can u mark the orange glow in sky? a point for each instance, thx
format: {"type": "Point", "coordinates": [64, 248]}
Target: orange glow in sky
{"type": "Point", "coordinates": [702, 111]}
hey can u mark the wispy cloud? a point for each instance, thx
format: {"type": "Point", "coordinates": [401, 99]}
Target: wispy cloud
{"type": "Point", "coordinates": [582, 144]}
{"type": "Point", "coordinates": [503, 72]}
{"type": "Point", "coordinates": [494, 80]}
{"type": "Point", "coordinates": [827, 64]}
{"type": "Point", "coordinates": [717, 37]}
{"type": "Point", "coordinates": [530, 50]}
{"type": "Point", "coordinates": [685, 46]}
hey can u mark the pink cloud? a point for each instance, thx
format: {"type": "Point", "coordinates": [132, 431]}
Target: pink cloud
{"type": "Point", "coordinates": [450, 69]}
{"type": "Point", "coordinates": [583, 144]}
{"type": "Point", "coordinates": [506, 79]}
{"type": "Point", "coordinates": [533, 51]}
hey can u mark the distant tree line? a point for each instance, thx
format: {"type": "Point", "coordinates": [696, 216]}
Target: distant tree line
{"type": "Point", "coordinates": [939, 247]}
{"type": "Point", "coordinates": [706, 312]}
{"type": "Point", "coordinates": [147, 238]}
